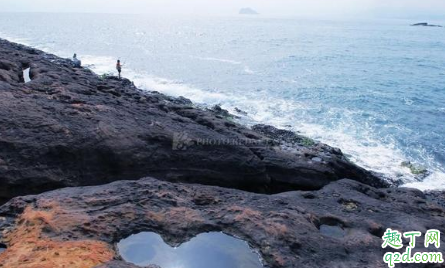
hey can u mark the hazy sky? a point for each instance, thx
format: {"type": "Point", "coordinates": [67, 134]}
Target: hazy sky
{"type": "Point", "coordinates": [317, 8]}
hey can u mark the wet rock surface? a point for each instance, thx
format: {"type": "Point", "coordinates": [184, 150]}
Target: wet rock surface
{"type": "Point", "coordinates": [70, 127]}
{"type": "Point", "coordinates": [340, 225]}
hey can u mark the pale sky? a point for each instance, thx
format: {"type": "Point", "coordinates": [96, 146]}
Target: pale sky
{"type": "Point", "coordinates": [315, 8]}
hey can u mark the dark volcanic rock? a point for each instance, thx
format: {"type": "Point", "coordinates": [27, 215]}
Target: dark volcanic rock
{"type": "Point", "coordinates": [182, 101]}
{"type": "Point", "coordinates": [240, 111]}
{"type": "Point", "coordinates": [221, 113]}
{"type": "Point", "coordinates": [340, 225]}
{"type": "Point", "coordinates": [70, 127]}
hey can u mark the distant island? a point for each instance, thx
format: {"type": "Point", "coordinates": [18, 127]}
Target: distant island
{"type": "Point", "coordinates": [425, 24]}
{"type": "Point", "coordinates": [247, 11]}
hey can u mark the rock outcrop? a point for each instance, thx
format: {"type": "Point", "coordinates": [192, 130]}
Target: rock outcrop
{"type": "Point", "coordinates": [340, 225]}
{"type": "Point", "coordinates": [71, 127]}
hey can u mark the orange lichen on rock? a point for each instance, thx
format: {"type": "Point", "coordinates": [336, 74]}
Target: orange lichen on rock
{"type": "Point", "coordinates": [52, 254]}
{"type": "Point", "coordinates": [29, 248]}
{"type": "Point", "coordinates": [275, 229]}
{"type": "Point", "coordinates": [245, 214]}
{"type": "Point", "coordinates": [176, 216]}
{"type": "Point", "coordinates": [270, 226]}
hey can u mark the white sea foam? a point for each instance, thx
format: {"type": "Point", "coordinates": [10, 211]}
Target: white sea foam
{"type": "Point", "coordinates": [435, 181]}
{"type": "Point", "coordinates": [408, 101]}
{"type": "Point", "coordinates": [176, 89]}
{"type": "Point", "coordinates": [361, 148]}
{"type": "Point", "coordinates": [248, 70]}
{"type": "Point", "coordinates": [100, 65]}
{"type": "Point", "coordinates": [105, 65]}
{"type": "Point", "coordinates": [366, 152]}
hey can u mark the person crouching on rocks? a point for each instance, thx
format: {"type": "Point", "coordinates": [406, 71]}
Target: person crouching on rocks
{"type": "Point", "coordinates": [76, 62]}
{"type": "Point", "coordinates": [119, 68]}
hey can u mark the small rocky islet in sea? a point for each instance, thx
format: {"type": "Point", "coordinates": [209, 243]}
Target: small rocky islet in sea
{"type": "Point", "coordinates": [248, 11]}
{"type": "Point", "coordinates": [137, 161]}
{"type": "Point", "coordinates": [426, 24]}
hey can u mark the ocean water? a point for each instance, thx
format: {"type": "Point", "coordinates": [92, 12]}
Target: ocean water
{"type": "Point", "coordinates": [375, 89]}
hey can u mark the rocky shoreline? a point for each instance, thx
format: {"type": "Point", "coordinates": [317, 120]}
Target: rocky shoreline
{"type": "Point", "coordinates": [69, 127]}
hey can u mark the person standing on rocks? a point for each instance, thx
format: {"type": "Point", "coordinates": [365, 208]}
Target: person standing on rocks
{"type": "Point", "coordinates": [119, 68]}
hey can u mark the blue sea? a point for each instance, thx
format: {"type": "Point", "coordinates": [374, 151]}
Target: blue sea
{"type": "Point", "coordinates": [374, 88]}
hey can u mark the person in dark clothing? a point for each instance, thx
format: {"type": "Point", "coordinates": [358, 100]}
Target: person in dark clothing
{"type": "Point", "coordinates": [76, 62]}
{"type": "Point", "coordinates": [119, 68]}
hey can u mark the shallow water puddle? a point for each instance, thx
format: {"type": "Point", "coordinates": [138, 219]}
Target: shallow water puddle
{"type": "Point", "coordinates": [2, 248]}
{"type": "Point", "coordinates": [216, 250]}
{"type": "Point", "coordinates": [26, 76]}
{"type": "Point", "coordinates": [333, 231]}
